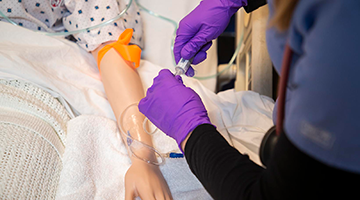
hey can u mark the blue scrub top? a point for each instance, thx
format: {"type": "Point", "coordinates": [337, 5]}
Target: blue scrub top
{"type": "Point", "coordinates": [323, 98]}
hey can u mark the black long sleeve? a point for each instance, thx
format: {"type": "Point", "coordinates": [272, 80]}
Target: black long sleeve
{"type": "Point", "coordinates": [227, 174]}
{"type": "Point", "coordinates": [254, 4]}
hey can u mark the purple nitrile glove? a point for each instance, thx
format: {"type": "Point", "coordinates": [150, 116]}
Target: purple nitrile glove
{"type": "Point", "coordinates": [205, 23]}
{"type": "Point", "coordinates": [172, 107]}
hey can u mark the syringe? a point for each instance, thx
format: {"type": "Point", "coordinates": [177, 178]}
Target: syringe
{"type": "Point", "coordinates": [182, 66]}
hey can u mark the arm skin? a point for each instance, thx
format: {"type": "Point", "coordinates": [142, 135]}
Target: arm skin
{"type": "Point", "coordinates": [123, 87]}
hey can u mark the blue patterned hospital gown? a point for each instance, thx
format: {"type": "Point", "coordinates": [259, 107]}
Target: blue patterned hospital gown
{"type": "Point", "coordinates": [70, 15]}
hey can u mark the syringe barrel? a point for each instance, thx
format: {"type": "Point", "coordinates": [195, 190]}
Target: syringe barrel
{"type": "Point", "coordinates": [182, 66]}
{"type": "Point", "coordinates": [179, 71]}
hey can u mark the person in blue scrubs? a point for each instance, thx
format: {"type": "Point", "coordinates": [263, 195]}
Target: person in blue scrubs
{"type": "Point", "coordinates": [318, 154]}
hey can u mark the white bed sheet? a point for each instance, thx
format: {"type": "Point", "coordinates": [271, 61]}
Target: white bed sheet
{"type": "Point", "coordinates": [70, 73]}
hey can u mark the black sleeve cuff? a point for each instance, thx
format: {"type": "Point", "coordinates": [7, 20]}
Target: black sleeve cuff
{"type": "Point", "coordinates": [254, 4]}
{"type": "Point", "coordinates": [196, 133]}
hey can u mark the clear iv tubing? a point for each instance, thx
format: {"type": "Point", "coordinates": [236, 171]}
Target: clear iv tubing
{"type": "Point", "coordinates": [129, 137]}
{"type": "Point", "coordinates": [80, 30]}
{"type": "Point", "coordinates": [93, 27]}
{"type": "Point", "coordinates": [231, 62]}
{"type": "Point", "coordinates": [166, 19]}
{"type": "Point", "coordinates": [237, 51]}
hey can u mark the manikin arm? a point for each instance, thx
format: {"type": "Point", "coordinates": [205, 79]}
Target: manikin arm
{"type": "Point", "coordinates": [123, 87]}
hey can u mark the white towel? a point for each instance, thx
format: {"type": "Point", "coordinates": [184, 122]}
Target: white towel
{"type": "Point", "coordinates": [95, 162]}
{"type": "Point", "coordinates": [70, 74]}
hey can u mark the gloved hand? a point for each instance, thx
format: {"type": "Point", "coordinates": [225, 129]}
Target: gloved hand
{"type": "Point", "coordinates": [172, 107]}
{"type": "Point", "coordinates": [205, 23]}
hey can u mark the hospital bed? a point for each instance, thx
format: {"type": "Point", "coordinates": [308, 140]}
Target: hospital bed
{"type": "Point", "coordinates": [254, 67]}
{"type": "Point", "coordinates": [70, 74]}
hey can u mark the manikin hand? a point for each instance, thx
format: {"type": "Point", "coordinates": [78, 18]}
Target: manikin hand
{"type": "Point", "coordinates": [123, 87]}
{"type": "Point", "coordinates": [145, 181]}
{"type": "Point", "coordinates": [205, 23]}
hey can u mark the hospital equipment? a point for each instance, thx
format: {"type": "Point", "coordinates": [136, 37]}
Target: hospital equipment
{"type": "Point", "coordinates": [46, 66]}
{"type": "Point", "coordinates": [182, 67]}
{"type": "Point", "coordinates": [271, 137]}
{"type": "Point", "coordinates": [147, 123]}
{"type": "Point", "coordinates": [254, 67]}
{"type": "Point", "coordinates": [239, 46]}
{"type": "Point", "coordinates": [210, 59]}
{"type": "Point", "coordinates": [130, 53]}
{"type": "Point", "coordinates": [129, 125]}
{"type": "Point", "coordinates": [66, 33]}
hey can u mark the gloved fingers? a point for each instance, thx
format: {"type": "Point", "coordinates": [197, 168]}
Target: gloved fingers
{"type": "Point", "coordinates": [195, 44]}
{"type": "Point", "coordinates": [206, 46]}
{"type": "Point", "coordinates": [143, 104]}
{"type": "Point", "coordinates": [163, 74]}
{"type": "Point", "coordinates": [178, 45]}
{"type": "Point", "coordinates": [166, 77]}
{"type": "Point", "coordinates": [190, 49]}
{"type": "Point", "coordinates": [179, 79]}
{"type": "Point", "coordinates": [190, 72]}
{"type": "Point", "coordinates": [180, 41]}
{"type": "Point", "coordinates": [177, 49]}
{"type": "Point", "coordinates": [199, 57]}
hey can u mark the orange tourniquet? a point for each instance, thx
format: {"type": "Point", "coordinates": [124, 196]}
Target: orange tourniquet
{"type": "Point", "coordinates": [130, 53]}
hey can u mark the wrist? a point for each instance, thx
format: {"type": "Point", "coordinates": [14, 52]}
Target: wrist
{"type": "Point", "coordinates": [137, 161]}
{"type": "Point", "coordinates": [183, 143]}
{"type": "Point", "coordinates": [143, 157]}
{"type": "Point", "coordinates": [188, 126]}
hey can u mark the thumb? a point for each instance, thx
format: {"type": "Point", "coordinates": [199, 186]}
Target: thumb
{"type": "Point", "coordinates": [190, 72]}
{"type": "Point", "coordinates": [179, 79]}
